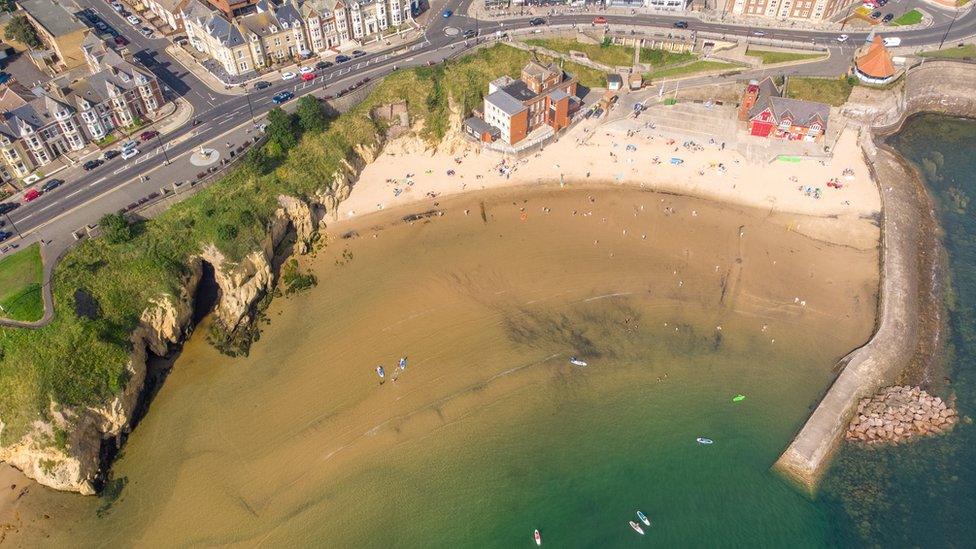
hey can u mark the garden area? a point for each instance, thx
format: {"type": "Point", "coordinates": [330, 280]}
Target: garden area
{"type": "Point", "coordinates": [913, 17]}
{"type": "Point", "coordinates": [833, 91]}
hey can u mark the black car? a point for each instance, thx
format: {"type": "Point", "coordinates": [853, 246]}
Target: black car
{"type": "Point", "coordinates": [281, 97]}
{"type": "Point", "coordinates": [91, 164]}
{"type": "Point", "coordinates": [342, 58]}
{"type": "Point", "coordinates": [110, 154]}
{"type": "Point", "coordinates": [261, 84]}
{"type": "Point", "coordinates": [681, 24]}
{"type": "Point", "coordinates": [876, 14]}
{"type": "Point", "coordinates": [4, 235]}
{"type": "Point", "coordinates": [470, 33]}
{"type": "Point", "coordinates": [888, 17]}
{"type": "Point", "coordinates": [322, 65]}
{"type": "Point", "coordinates": [52, 184]}
{"type": "Point", "coordinates": [8, 207]}
{"type": "Point", "coordinates": [537, 21]}
{"type": "Point", "coordinates": [358, 53]}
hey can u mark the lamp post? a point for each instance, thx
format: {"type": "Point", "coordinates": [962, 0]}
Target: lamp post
{"type": "Point", "coordinates": [247, 95]}
{"type": "Point", "coordinates": [12, 224]}
{"type": "Point", "coordinates": [160, 141]}
{"type": "Point", "coordinates": [949, 28]}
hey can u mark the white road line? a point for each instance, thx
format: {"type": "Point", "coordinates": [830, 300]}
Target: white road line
{"type": "Point", "coordinates": [74, 193]}
{"type": "Point", "coordinates": [120, 170]}
{"type": "Point", "coordinates": [97, 181]}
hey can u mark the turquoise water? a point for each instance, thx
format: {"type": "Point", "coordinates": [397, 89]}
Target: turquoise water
{"type": "Point", "coordinates": [925, 494]}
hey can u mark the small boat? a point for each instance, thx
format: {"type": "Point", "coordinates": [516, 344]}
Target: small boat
{"type": "Point", "coordinates": [403, 363]}
{"type": "Point", "coordinates": [576, 362]}
{"type": "Point", "coordinates": [643, 518]}
{"type": "Point", "coordinates": [538, 538]}
{"type": "Point", "coordinates": [703, 440]}
{"type": "Point", "coordinates": [738, 398]}
{"type": "Point", "coordinates": [637, 528]}
{"type": "Point", "coordinates": [380, 372]}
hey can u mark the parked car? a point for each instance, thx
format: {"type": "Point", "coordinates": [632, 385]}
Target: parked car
{"type": "Point", "coordinates": [322, 65]}
{"type": "Point", "coordinates": [681, 24]}
{"type": "Point", "coordinates": [758, 33]}
{"type": "Point", "coordinates": [31, 195]}
{"type": "Point", "coordinates": [52, 184]}
{"type": "Point", "coordinates": [358, 53]}
{"type": "Point", "coordinates": [101, 26]}
{"type": "Point", "coordinates": [117, 6]}
{"type": "Point", "coordinates": [876, 14]}
{"type": "Point", "coordinates": [470, 33]}
{"type": "Point", "coordinates": [891, 42]}
{"type": "Point", "coordinates": [308, 76]}
{"type": "Point", "coordinates": [148, 134]}
{"type": "Point", "coordinates": [110, 154]}
{"type": "Point", "coordinates": [91, 164]}
{"type": "Point", "coordinates": [281, 97]}
{"type": "Point", "coordinates": [146, 31]}
{"type": "Point", "coordinates": [7, 207]}
{"type": "Point", "coordinates": [287, 75]}
{"type": "Point", "coordinates": [842, 38]}
{"type": "Point", "coordinates": [4, 77]}
{"type": "Point", "coordinates": [887, 18]}
{"type": "Point", "coordinates": [121, 40]}
{"type": "Point", "coordinates": [133, 20]}
{"type": "Point", "coordinates": [305, 70]}
{"type": "Point", "coordinates": [4, 235]}
{"type": "Point", "coordinates": [537, 21]}
{"type": "Point", "coordinates": [600, 20]}
{"type": "Point", "coordinates": [129, 153]}
{"type": "Point", "coordinates": [342, 58]}
{"type": "Point", "coordinates": [261, 84]}
{"type": "Point", "coordinates": [446, 13]}
{"type": "Point", "coordinates": [132, 143]}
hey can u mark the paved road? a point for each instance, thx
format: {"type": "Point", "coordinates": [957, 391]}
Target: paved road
{"type": "Point", "coordinates": [87, 196]}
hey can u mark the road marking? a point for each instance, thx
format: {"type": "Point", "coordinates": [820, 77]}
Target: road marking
{"type": "Point", "coordinates": [97, 181]}
{"type": "Point", "coordinates": [120, 170]}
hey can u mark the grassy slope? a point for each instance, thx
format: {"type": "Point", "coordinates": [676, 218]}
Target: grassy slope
{"type": "Point", "coordinates": [969, 50]}
{"type": "Point", "coordinates": [612, 55]}
{"type": "Point", "coordinates": [80, 361]}
{"type": "Point", "coordinates": [20, 285]}
{"type": "Point", "coordinates": [771, 57]}
{"type": "Point", "coordinates": [659, 58]}
{"type": "Point", "coordinates": [689, 69]}
{"type": "Point", "coordinates": [913, 17]}
{"type": "Point", "coordinates": [824, 90]}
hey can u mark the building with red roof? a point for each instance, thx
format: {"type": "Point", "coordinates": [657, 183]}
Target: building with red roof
{"type": "Point", "coordinates": [875, 66]}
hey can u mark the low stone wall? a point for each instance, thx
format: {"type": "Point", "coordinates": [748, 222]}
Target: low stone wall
{"type": "Point", "coordinates": [908, 229]}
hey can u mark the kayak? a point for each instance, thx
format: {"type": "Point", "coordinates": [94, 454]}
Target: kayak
{"type": "Point", "coordinates": [380, 372]}
{"type": "Point", "coordinates": [538, 538]}
{"type": "Point", "coordinates": [703, 440]}
{"type": "Point", "coordinates": [637, 528]}
{"type": "Point", "coordinates": [738, 398]}
{"type": "Point", "coordinates": [576, 362]}
{"type": "Point", "coordinates": [643, 518]}
{"type": "Point", "coordinates": [403, 363]}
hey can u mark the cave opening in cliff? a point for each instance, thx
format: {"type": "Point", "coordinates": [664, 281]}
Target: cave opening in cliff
{"type": "Point", "coordinates": [207, 294]}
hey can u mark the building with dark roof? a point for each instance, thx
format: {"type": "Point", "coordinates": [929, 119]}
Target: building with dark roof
{"type": "Point", "coordinates": [772, 115]}
{"type": "Point", "coordinates": [545, 95]}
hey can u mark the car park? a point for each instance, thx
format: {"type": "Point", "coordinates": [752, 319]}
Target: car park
{"type": "Point", "coordinates": [308, 76]}
{"type": "Point", "coordinates": [681, 24]}
{"type": "Point", "coordinates": [129, 153]}
{"type": "Point", "coordinates": [358, 53]}
{"type": "Point", "coordinates": [281, 97]}
{"type": "Point", "coordinates": [261, 84]}
{"type": "Point", "coordinates": [600, 20]}
{"type": "Point", "coordinates": [147, 135]}
{"type": "Point", "coordinates": [342, 58]}
{"type": "Point", "coordinates": [537, 21]}
{"type": "Point", "coordinates": [322, 65]}
{"type": "Point", "coordinates": [842, 38]}
{"type": "Point", "coordinates": [110, 154]}
{"type": "Point", "coordinates": [52, 184]}
{"type": "Point", "coordinates": [887, 18]}
{"type": "Point", "coordinates": [7, 207]}
{"type": "Point", "coordinates": [446, 13]}
{"type": "Point", "coordinates": [31, 195]}
{"type": "Point", "coordinates": [91, 165]}
{"type": "Point", "coordinates": [287, 75]}
{"type": "Point", "coordinates": [305, 70]}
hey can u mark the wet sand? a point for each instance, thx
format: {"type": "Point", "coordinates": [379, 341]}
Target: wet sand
{"type": "Point", "coordinates": [675, 302]}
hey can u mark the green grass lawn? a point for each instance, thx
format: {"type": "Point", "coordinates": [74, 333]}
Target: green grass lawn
{"type": "Point", "coordinates": [662, 58]}
{"type": "Point", "coordinates": [913, 17]}
{"type": "Point", "coordinates": [20, 285]}
{"type": "Point", "coordinates": [612, 55]}
{"type": "Point", "coordinates": [772, 57]}
{"type": "Point", "coordinates": [824, 90]}
{"type": "Point", "coordinates": [969, 50]}
{"type": "Point", "coordinates": [689, 69]}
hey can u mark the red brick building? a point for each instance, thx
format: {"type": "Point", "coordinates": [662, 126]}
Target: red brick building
{"type": "Point", "coordinates": [769, 114]}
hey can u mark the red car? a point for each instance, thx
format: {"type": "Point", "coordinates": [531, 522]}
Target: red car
{"type": "Point", "coordinates": [31, 195]}
{"type": "Point", "coordinates": [308, 77]}
{"type": "Point", "coordinates": [147, 135]}
{"type": "Point", "coordinates": [600, 20]}
{"type": "Point", "coordinates": [121, 40]}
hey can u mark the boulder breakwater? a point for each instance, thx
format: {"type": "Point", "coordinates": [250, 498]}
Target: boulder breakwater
{"type": "Point", "coordinates": [899, 414]}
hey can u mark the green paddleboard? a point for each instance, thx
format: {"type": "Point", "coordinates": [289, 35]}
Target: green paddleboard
{"type": "Point", "coordinates": [738, 398]}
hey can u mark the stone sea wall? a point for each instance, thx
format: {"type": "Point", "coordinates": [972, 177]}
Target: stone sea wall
{"type": "Point", "coordinates": [910, 265]}
{"type": "Point", "coordinates": [899, 414]}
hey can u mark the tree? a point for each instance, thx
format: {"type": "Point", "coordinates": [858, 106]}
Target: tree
{"type": "Point", "coordinates": [312, 116]}
{"type": "Point", "coordinates": [281, 128]}
{"type": "Point", "coordinates": [115, 228]}
{"type": "Point", "coordinates": [20, 29]}
{"type": "Point", "coordinates": [7, 5]}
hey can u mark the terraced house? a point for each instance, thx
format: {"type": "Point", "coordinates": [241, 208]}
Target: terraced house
{"type": "Point", "coordinates": [42, 124]}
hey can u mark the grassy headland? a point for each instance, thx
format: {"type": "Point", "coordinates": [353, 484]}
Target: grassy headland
{"type": "Point", "coordinates": [102, 286]}
{"type": "Point", "coordinates": [20, 285]}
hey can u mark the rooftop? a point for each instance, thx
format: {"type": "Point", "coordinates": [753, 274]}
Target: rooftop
{"type": "Point", "coordinates": [876, 62]}
{"type": "Point", "coordinates": [508, 104]}
{"type": "Point", "coordinates": [519, 90]}
{"type": "Point", "coordinates": [55, 19]}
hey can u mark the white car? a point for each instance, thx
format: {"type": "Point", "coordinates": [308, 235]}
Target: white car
{"type": "Point", "coordinates": [891, 42]}
{"type": "Point", "coordinates": [288, 75]}
{"type": "Point", "coordinates": [117, 7]}
{"type": "Point", "coordinates": [842, 38]}
{"type": "Point", "coordinates": [133, 20]}
{"type": "Point", "coordinates": [758, 33]}
{"type": "Point", "coordinates": [129, 153]}
{"type": "Point", "coordinates": [306, 70]}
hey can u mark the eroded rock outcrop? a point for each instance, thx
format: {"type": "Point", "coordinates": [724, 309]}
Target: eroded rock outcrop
{"type": "Point", "coordinates": [898, 414]}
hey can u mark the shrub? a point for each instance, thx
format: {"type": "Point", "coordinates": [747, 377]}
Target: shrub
{"type": "Point", "coordinates": [115, 228]}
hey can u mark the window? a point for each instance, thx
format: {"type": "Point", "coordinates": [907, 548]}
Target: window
{"type": "Point", "coordinates": [277, 41]}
